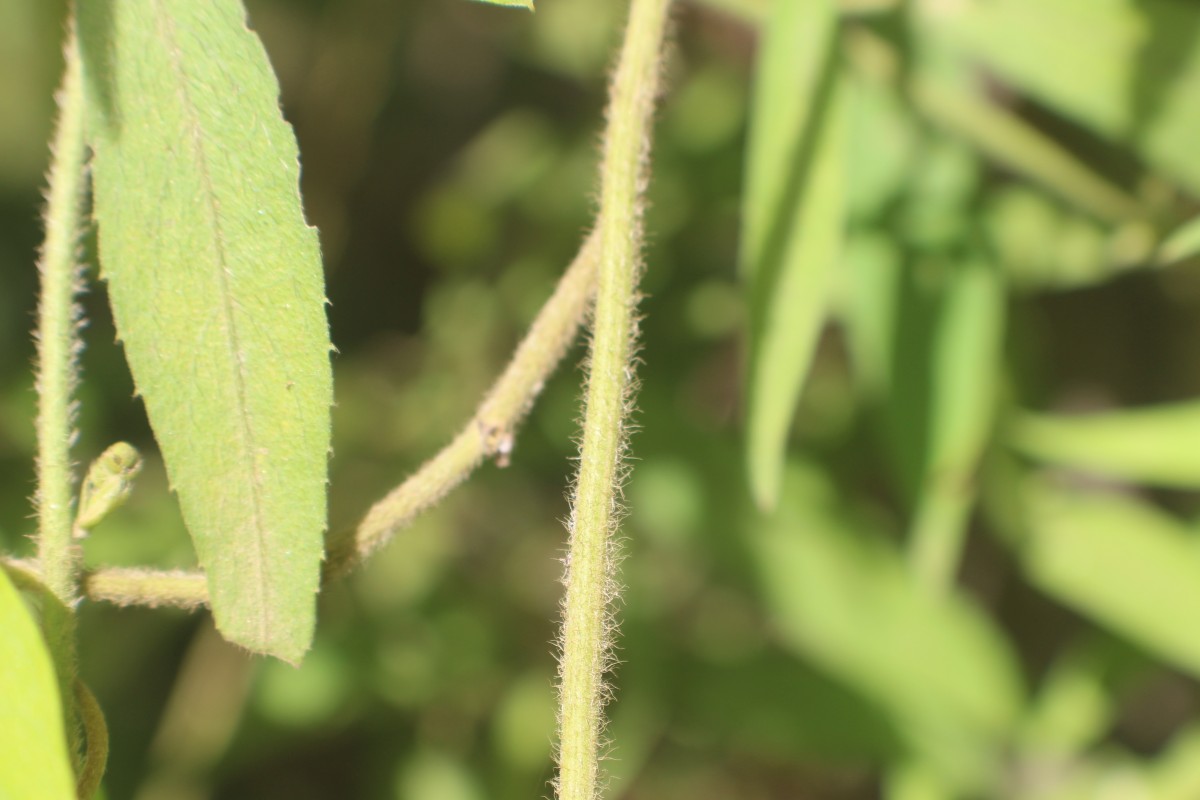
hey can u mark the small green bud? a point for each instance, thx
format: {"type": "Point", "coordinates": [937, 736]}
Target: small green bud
{"type": "Point", "coordinates": [108, 483]}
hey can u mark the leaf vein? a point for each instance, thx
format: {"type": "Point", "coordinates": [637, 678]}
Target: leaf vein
{"type": "Point", "coordinates": [245, 449]}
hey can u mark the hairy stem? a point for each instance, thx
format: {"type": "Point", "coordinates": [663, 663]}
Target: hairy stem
{"type": "Point", "coordinates": [590, 585]}
{"type": "Point", "coordinates": [144, 587]}
{"type": "Point", "coordinates": [57, 340]}
{"type": "Point", "coordinates": [57, 351]}
{"type": "Point", "coordinates": [490, 431]}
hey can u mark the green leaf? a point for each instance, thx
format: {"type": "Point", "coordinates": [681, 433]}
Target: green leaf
{"type": "Point", "coordinates": [875, 270]}
{"type": "Point", "coordinates": [1129, 69]}
{"type": "Point", "coordinates": [966, 351]}
{"type": "Point", "coordinates": [1153, 445]}
{"type": "Point", "coordinates": [905, 326]}
{"type": "Point", "coordinates": [775, 704]}
{"type": "Point", "coordinates": [34, 763]}
{"type": "Point", "coordinates": [1183, 243]}
{"type": "Point", "coordinates": [1175, 774]}
{"type": "Point", "coordinates": [1017, 145]}
{"type": "Point", "coordinates": [1080, 695]}
{"type": "Point", "coordinates": [1044, 246]}
{"type": "Point", "coordinates": [794, 211]}
{"type": "Point", "coordinates": [884, 138]}
{"type": "Point", "coordinates": [216, 287]}
{"type": "Point", "coordinates": [846, 601]}
{"type": "Point", "coordinates": [510, 3]}
{"type": "Point", "coordinates": [913, 779]}
{"type": "Point", "coordinates": [1124, 564]}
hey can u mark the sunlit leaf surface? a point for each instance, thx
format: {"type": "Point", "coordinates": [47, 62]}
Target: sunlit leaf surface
{"type": "Point", "coordinates": [216, 288]}
{"type": "Point", "coordinates": [33, 744]}
{"type": "Point", "coordinates": [793, 212]}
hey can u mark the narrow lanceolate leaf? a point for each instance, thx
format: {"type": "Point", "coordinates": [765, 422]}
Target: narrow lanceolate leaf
{"type": "Point", "coordinates": [966, 353]}
{"type": "Point", "coordinates": [793, 214]}
{"type": "Point", "coordinates": [1183, 243]}
{"type": "Point", "coordinates": [216, 287]}
{"type": "Point", "coordinates": [511, 3]}
{"type": "Point", "coordinates": [1155, 445]}
{"type": "Point", "coordinates": [33, 744]}
{"type": "Point", "coordinates": [1128, 69]}
{"type": "Point", "coordinates": [840, 596]}
{"type": "Point", "coordinates": [1122, 563]}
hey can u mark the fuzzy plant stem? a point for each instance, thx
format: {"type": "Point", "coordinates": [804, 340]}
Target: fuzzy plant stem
{"type": "Point", "coordinates": [590, 583]}
{"type": "Point", "coordinates": [489, 432]}
{"type": "Point", "coordinates": [57, 351]}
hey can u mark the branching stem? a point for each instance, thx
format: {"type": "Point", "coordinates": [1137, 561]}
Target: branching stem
{"type": "Point", "coordinates": [489, 432]}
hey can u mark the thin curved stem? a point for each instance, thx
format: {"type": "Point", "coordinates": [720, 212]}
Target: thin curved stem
{"type": "Point", "coordinates": [96, 730]}
{"type": "Point", "coordinates": [590, 584]}
{"type": "Point", "coordinates": [490, 431]}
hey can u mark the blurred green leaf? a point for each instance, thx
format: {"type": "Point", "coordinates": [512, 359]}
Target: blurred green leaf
{"type": "Point", "coordinates": [793, 216]}
{"type": "Point", "coordinates": [34, 764]}
{"type": "Point", "coordinates": [308, 696]}
{"type": "Point", "coordinates": [1130, 69]}
{"type": "Point", "coordinates": [706, 112]}
{"type": "Point", "coordinates": [966, 350]}
{"type": "Point", "coordinates": [1079, 697]}
{"type": "Point", "coordinates": [574, 39]}
{"type": "Point", "coordinates": [523, 724]}
{"type": "Point", "coordinates": [510, 3]}
{"type": "Point", "coordinates": [1111, 772]}
{"type": "Point", "coordinates": [944, 88]}
{"type": "Point", "coordinates": [507, 156]}
{"type": "Point", "coordinates": [1043, 245]}
{"type": "Point", "coordinates": [845, 600]}
{"type": "Point", "coordinates": [433, 774]}
{"type": "Point", "coordinates": [1184, 243]}
{"type": "Point", "coordinates": [1016, 144]}
{"type": "Point", "coordinates": [911, 779]}
{"type": "Point", "coordinates": [775, 705]}
{"type": "Point", "coordinates": [216, 287]}
{"type": "Point", "coordinates": [1122, 563]}
{"type": "Point", "coordinates": [904, 318]}
{"type": "Point", "coordinates": [882, 141]}
{"type": "Point", "coordinates": [875, 277]}
{"type": "Point", "coordinates": [30, 63]}
{"type": "Point", "coordinates": [934, 220]}
{"type": "Point", "coordinates": [1176, 773]}
{"type": "Point", "coordinates": [1158, 445]}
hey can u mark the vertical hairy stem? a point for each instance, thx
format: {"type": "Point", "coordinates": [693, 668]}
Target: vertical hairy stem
{"type": "Point", "coordinates": [57, 350]}
{"type": "Point", "coordinates": [587, 618]}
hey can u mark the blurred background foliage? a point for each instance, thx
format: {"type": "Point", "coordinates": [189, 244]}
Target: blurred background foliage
{"type": "Point", "coordinates": [983, 575]}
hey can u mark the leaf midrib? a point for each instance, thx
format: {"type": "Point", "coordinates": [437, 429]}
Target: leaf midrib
{"type": "Point", "coordinates": [245, 447]}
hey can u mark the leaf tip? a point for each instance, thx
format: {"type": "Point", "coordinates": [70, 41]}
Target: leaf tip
{"type": "Point", "coordinates": [525, 4]}
{"type": "Point", "coordinates": [290, 652]}
{"type": "Point", "coordinates": [764, 487]}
